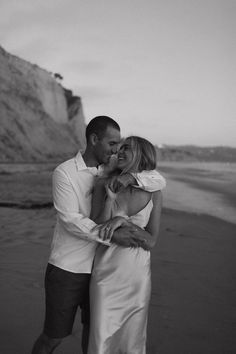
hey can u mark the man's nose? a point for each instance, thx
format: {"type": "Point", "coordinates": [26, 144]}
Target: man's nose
{"type": "Point", "coordinates": [114, 149]}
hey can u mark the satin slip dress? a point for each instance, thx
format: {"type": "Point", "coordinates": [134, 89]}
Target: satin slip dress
{"type": "Point", "coordinates": [119, 295]}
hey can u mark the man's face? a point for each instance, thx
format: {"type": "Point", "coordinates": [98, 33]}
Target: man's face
{"type": "Point", "coordinates": [107, 145]}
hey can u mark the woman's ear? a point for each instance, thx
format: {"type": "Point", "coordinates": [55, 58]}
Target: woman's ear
{"type": "Point", "coordinates": [93, 139]}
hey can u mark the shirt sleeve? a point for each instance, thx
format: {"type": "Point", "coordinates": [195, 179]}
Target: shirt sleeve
{"type": "Point", "coordinates": [66, 204]}
{"type": "Point", "coordinates": [150, 181]}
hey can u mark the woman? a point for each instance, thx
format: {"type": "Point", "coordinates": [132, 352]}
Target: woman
{"type": "Point", "coordinates": [120, 283]}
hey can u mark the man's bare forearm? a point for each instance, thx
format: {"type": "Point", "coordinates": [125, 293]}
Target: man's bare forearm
{"type": "Point", "coordinates": [133, 236]}
{"type": "Point", "coordinates": [124, 237]}
{"type": "Point", "coordinates": [143, 238]}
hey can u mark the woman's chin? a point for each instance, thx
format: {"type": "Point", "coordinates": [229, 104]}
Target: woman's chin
{"type": "Point", "coordinates": [121, 165]}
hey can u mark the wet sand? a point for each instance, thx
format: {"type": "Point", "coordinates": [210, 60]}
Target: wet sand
{"type": "Point", "coordinates": [193, 304]}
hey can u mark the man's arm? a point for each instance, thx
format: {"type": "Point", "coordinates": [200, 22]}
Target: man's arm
{"type": "Point", "coordinates": [150, 181]}
{"type": "Point", "coordinates": [67, 207]}
{"type": "Point", "coordinates": [124, 236]}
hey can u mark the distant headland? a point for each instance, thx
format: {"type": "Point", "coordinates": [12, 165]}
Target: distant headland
{"type": "Point", "coordinates": [191, 153]}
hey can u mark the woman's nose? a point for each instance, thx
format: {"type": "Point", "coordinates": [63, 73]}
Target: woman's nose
{"type": "Point", "coordinates": [121, 149]}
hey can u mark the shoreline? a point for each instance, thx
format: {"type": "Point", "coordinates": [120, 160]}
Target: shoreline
{"type": "Point", "coordinates": [209, 191]}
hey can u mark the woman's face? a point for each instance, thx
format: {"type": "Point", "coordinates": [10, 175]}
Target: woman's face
{"type": "Point", "coordinates": [125, 155]}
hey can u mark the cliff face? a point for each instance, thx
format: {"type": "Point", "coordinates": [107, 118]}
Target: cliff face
{"type": "Point", "coordinates": [40, 120]}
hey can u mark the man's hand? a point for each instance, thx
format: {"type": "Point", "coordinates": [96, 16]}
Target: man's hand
{"type": "Point", "coordinates": [120, 182]}
{"type": "Point", "coordinates": [108, 228]}
{"type": "Point", "coordinates": [140, 237]}
{"type": "Point", "coordinates": [124, 237]}
{"type": "Point", "coordinates": [132, 236]}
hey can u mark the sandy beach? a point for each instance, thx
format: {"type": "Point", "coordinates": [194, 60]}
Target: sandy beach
{"type": "Point", "coordinates": [193, 306]}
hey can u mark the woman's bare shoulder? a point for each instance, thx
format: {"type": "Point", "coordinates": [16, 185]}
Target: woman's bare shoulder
{"type": "Point", "coordinates": [137, 200]}
{"type": "Point", "coordinates": [140, 193]}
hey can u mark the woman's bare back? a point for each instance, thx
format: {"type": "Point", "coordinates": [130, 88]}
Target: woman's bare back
{"type": "Point", "coordinates": [132, 200]}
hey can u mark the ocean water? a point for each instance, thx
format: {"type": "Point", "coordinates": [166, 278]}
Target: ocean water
{"type": "Point", "coordinates": [10, 168]}
{"type": "Point", "coordinates": [197, 187]}
{"type": "Point", "coordinates": [201, 187]}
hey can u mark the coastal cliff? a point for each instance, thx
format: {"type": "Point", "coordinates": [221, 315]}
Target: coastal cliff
{"type": "Point", "coordinates": [40, 120]}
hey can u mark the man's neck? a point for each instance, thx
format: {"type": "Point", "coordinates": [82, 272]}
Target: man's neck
{"type": "Point", "coordinates": [89, 159]}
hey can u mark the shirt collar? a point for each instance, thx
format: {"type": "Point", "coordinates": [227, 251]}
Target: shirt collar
{"type": "Point", "coordinates": [80, 165]}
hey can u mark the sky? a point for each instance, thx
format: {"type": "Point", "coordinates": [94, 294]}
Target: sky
{"type": "Point", "coordinates": [164, 69]}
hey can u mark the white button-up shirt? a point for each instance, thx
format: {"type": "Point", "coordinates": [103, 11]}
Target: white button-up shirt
{"type": "Point", "coordinates": [74, 244]}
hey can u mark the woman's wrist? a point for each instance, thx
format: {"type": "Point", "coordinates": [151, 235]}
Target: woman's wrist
{"type": "Point", "coordinates": [111, 197]}
{"type": "Point", "coordinates": [110, 201]}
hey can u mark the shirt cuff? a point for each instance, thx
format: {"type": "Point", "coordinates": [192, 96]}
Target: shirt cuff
{"type": "Point", "coordinates": [95, 236]}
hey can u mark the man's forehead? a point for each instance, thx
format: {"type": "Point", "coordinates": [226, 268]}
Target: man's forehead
{"type": "Point", "coordinates": [112, 134]}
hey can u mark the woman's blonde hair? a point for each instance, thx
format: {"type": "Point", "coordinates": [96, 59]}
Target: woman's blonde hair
{"type": "Point", "coordinates": [144, 155]}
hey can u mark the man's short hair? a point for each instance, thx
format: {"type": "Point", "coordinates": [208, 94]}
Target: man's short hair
{"type": "Point", "coordinates": [99, 125]}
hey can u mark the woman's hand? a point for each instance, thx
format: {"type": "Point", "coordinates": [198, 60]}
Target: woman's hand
{"type": "Point", "coordinates": [110, 194]}
{"type": "Point", "coordinates": [107, 229]}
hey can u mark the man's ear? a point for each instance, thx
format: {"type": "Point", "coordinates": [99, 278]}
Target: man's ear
{"type": "Point", "coordinates": [93, 139]}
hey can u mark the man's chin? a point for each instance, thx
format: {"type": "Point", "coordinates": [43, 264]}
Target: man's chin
{"type": "Point", "coordinates": [106, 160]}
{"type": "Point", "coordinates": [111, 161]}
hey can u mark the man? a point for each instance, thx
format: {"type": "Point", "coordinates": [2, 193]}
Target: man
{"type": "Point", "coordinates": [74, 242]}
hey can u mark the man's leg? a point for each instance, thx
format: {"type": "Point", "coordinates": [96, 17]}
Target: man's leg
{"type": "Point", "coordinates": [85, 319]}
{"type": "Point", "coordinates": [85, 338]}
{"type": "Point", "coordinates": [64, 291]}
{"type": "Point", "coordinates": [45, 344]}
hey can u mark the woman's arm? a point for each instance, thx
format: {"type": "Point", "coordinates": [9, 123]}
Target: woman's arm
{"type": "Point", "coordinates": [102, 202]}
{"type": "Point", "coordinates": [150, 181]}
{"type": "Point", "coordinates": [101, 205]}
